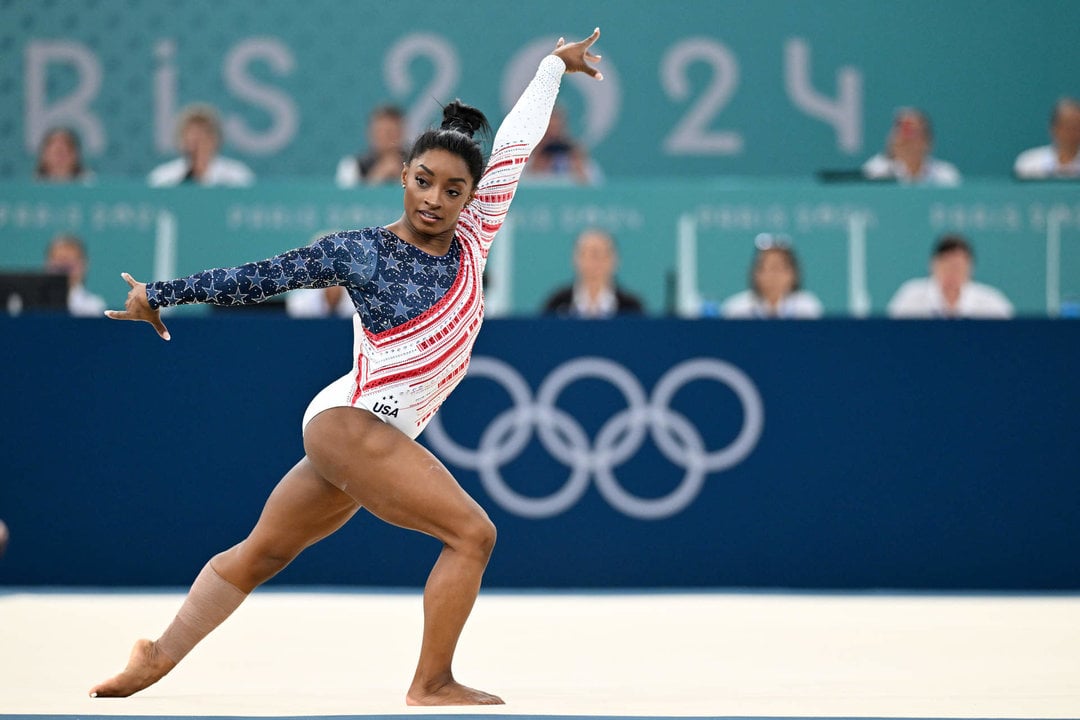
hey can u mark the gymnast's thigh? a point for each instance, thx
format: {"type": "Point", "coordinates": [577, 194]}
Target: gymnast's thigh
{"type": "Point", "coordinates": [302, 509]}
{"type": "Point", "coordinates": [390, 474]}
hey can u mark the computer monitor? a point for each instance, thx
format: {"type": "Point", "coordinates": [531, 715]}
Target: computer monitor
{"type": "Point", "coordinates": [23, 291]}
{"type": "Point", "coordinates": [850, 175]}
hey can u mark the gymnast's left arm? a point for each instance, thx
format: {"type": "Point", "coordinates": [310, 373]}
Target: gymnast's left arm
{"type": "Point", "coordinates": [520, 132]}
{"type": "Point", "coordinates": [339, 259]}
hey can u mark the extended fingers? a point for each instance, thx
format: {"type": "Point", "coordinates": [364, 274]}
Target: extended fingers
{"type": "Point", "coordinates": [128, 279]}
{"type": "Point", "coordinates": [591, 57]}
{"type": "Point", "coordinates": [161, 329]}
{"type": "Point", "coordinates": [159, 326]}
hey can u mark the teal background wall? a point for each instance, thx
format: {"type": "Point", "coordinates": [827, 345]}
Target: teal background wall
{"type": "Point", "coordinates": [1006, 221]}
{"type": "Point", "coordinates": [695, 87]}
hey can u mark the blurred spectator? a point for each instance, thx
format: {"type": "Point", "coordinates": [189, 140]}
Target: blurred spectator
{"type": "Point", "coordinates": [333, 301]}
{"type": "Point", "coordinates": [594, 292]}
{"type": "Point", "coordinates": [560, 157]}
{"type": "Point", "coordinates": [199, 138]}
{"type": "Point", "coordinates": [60, 158]}
{"type": "Point", "coordinates": [386, 151]}
{"type": "Point", "coordinates": [949, 292]}
{"type": "Point", "coordinates": [66, 255]}
{"type": "Point", "coordinates": [1060, 159]}
{"type": "Point", "coordinates": [775, 285]}
{"type": "Point", "coordinates": [907, 157]}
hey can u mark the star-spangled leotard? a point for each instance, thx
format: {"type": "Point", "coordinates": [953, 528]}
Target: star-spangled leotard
{"type": "Point", "coordinates": [417, 314]}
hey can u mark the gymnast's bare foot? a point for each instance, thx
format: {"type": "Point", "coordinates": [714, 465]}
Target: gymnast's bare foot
{"type": "Point", "coordinates": [450, 692]}
{"type": "Point", "coordinates": [145, 667]}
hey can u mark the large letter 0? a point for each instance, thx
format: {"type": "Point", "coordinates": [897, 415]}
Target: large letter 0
{"type": "Point", "coordinates": [279, 105]}
{"type": "Point", "coordinates": [73, 110]}
{"type": "Point", "coordinates": [602, 99]}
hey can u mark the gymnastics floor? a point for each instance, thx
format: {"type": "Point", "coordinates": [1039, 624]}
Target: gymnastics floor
{"type": "Point", "coordinates": [567, 655]}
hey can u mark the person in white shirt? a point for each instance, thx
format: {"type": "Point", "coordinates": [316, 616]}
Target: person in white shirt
{"type": "Point", "coordinates": [775, 285]}
{"type": "Point", "coordinates": [949, 292]}
{"type": "Point", "coordinates": [199, 136]}
{"type": "Point", "coordinates": [1060, 159]}
{"type": "Point", "coordinates": [385, 155]}
{"type": "Point", "coordinates": [319, 303]}
{"type": "Point", "coordinates": [907, 157]}
{"type": "Point", "coordinates": [66, 255]}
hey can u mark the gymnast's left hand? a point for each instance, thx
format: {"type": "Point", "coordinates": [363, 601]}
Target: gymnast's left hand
{"type": "Point", "coordinates": [577, 57]}
{"type": "Point", "coordinates": [137, 307]}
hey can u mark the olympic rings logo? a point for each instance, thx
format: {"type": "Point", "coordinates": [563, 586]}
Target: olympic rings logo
{"type": "Point", "coordinates": [619, 439]}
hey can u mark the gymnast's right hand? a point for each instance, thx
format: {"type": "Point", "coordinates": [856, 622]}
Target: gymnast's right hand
{"type": "Point", "coordinates": [137, 307]}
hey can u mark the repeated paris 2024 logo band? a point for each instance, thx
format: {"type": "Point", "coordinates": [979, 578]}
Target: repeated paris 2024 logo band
{"type": "Point", "coordinates": [617, 441]}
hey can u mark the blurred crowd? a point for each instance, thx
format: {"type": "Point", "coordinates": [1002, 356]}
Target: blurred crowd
{"type": "Point", "coordinates": [907, 155]}
{"type": "Point", "coordinates": [775, 287]}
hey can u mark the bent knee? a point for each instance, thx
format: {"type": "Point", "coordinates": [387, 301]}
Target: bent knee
{"type": "Point", "coordinates": [477, 536]}
{"type": "Point", "coordinates": [255, 562]}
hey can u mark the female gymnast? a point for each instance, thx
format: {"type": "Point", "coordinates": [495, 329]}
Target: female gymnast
{"type": "Point", "coordinates": [416, 284]}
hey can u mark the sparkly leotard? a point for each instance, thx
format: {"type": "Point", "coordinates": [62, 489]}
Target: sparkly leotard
{"type": "Point", "coordinates": [417, 314]}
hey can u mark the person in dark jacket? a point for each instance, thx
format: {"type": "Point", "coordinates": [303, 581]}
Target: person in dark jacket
{"type": "Point", "coordinates": [594, 292]}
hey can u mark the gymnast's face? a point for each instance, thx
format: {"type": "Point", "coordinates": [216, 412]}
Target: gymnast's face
{"type": "Point", "coordinates": [437, 187]}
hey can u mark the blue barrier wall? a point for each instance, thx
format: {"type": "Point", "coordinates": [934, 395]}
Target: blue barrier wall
{"type": "Point", "coordinates": [833, 454]}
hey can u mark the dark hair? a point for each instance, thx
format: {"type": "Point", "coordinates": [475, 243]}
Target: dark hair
{"type": "Point", "coordinates": [66, 239]}
{"type": "Point", "coordinates": [951, 243]}
{"type": "Point", "coordinates": [72, 137]}
{"type": "Point", "coordinates": [1060, 106]}
{"type": "Point", "coordinates": [460, 122]}
{"type": "Point", "coordinates": [388, 110]}
{"type": "Point", "coordinates": [597, 230]}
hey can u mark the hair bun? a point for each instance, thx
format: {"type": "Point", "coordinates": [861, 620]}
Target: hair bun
{"type": "Point", "coordinates": [462, 118]}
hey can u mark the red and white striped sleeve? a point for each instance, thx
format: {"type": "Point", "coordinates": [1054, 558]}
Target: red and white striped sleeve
{"type": "Point", "coordinates": [518, 134]}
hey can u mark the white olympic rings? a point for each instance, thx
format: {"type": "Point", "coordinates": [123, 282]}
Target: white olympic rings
{"type": "Point", "coordinates": [618, 439]}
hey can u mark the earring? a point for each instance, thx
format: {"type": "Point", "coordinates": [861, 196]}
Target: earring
{"type": "Point", "coordinates": [402, 184]}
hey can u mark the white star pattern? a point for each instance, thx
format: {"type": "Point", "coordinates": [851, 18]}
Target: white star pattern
{"type": "Point", "coordinates": [389, 280]}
